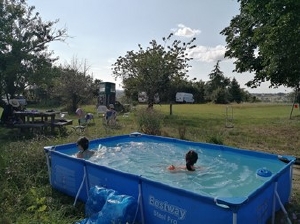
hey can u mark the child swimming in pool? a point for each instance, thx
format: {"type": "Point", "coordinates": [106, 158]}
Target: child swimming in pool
{"type": "Point", "coordinates": [83, 146]}
{"type": "Point", "coordinates": [191, 158]}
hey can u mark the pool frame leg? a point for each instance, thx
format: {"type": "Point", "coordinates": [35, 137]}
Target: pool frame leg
{"type": "Point", "coordinates": [234, 218]}
{"type": "Point", "coordinates": [47, 154]}
{"type": "Point", "coordinates": [276, 195]}
{"type": "Point", "coordinates": [81, 185]}
{"type": "Point", "coordinates": [140, 202]}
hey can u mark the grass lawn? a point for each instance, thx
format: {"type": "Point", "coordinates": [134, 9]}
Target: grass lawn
{"type": "Point", "coordinates": [27, 197]}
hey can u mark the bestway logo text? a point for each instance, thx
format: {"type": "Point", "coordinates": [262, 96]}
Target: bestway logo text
{"type": "Point", "coordinates": [166, 207]}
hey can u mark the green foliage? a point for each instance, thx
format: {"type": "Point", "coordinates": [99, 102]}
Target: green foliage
{"type": "Point", "coordinates": [74, 86]}
{"type": "Point", "coordinates": [215, 140]}
{"type": "Point", "coordinates": [220, 96]}
{"type": "Point", "coordinates": [217, 79]}
{"type": "Point", "coordinates": [182, 132]}
{"type": "Point", "coordinates": [26, 194]}
{"type": "Point", "coordinates": [236, 93]}
{"type": "Point", "coordinates": [37, 203]}
{"type": "Point", "coordinates": [24, 41]}
{"type": "Point", "coordinates": [216, 87]}
{"type": "Point", "coordinates": [221, 90]}
{"type": "Point", "coordinates": [264, 39]}
{"type": "Point", "coordinates": [149, 121]}
{"type": "Point", "coordinates": [150, 70]}
{"type": "Point", "coordinates": [199, 92]}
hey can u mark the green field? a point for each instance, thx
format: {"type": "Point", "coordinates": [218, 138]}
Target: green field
{"type": "Point", "coordinates": [27, 197]}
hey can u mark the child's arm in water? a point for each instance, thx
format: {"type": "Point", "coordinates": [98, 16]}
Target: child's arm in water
{"type": "Point", "coordinates": [87, 154]}
{"type": "Point", "coordinates": [172, 168]}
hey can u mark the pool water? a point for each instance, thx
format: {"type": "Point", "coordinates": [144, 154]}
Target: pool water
{"type": "Point", "coordinates": [219, 173]}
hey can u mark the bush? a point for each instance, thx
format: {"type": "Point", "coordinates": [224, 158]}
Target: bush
{"type": "Point", "coordinates": [149, 121]}
{"type": "Point", "coordinates": [215, 140]}
{"type": "Point", "coordinates": [181, 132]}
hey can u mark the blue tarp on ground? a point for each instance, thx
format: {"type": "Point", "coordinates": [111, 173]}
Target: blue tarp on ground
{"type": "Point", "coordinates": [106, 206]}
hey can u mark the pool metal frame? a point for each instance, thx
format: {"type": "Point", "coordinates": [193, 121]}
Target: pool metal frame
{"type": "Point", "coordinates": [160, 203]}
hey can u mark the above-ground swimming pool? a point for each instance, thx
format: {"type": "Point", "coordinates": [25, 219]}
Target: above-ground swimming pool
{"type": "Point", "coordinates": [229, 185]}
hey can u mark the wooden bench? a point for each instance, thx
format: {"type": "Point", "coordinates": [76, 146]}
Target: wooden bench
{"type": "Point", "coordinates": [30, 126]}
{"type": "Point", "coordinates": [62, 122]}
{"type": "Point", "coordinates": [41, 127]}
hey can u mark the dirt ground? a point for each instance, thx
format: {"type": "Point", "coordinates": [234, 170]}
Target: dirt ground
{"type": "Point", "coordinates": [292, 208]}
{"type": "Point", "coordinates": [296, 181]}
{"type": "Point", "coordinates": [294, 211]}
{"type": "Point", "coordinates": [296, 178]}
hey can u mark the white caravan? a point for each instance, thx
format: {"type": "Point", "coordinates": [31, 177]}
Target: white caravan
{"type": "Point", "coordinates": [184, 97]}
{"type": "Point", "coordinates": [143, 98]}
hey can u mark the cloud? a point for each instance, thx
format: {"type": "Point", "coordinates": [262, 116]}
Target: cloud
{"type": "Point", "coordinates": [207, 54]}
{"type": "Point", "coordinates": [200, 53]}
{"type": "Point", "coordinates": [184, 31]}
{"type": "Point", "coordinates": [111, 61]}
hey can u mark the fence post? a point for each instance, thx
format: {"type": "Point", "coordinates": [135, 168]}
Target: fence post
{"type": "Point", "coordinates": [171, 105]}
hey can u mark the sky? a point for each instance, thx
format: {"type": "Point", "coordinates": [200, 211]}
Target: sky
{"type": "Point", "coordinates": [102, 30]}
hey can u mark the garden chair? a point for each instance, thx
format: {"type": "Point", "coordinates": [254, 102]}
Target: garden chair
{"type": "Point", "coordinates": [111, 120]}
{"type": "Point", "coordinates": [110, 116]}
{"type": "Point", "coordinates": [101, 110]}
{"type": "Point", "coordinates": [89, 118]}
{"type": "Point", "coordinates": [83, 120]}
{"type": "Point", "coordinates": [82, 125]}
{"type": "Point", "coordinates": [82, 115]}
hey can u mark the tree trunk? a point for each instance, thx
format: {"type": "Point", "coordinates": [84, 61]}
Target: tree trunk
{"type": "Point", "coordinates": [294, 102]}
{"type": "Point", "coordinates": [150, 105]}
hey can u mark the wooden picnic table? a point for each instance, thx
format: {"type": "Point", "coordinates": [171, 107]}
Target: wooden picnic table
{"type": "Point", "coordinates": [40, 119]}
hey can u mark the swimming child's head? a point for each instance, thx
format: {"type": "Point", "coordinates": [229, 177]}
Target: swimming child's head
{"type": "Point", "coordinates": [83, 142]}
{"type": "Point", "coordinates": [191, 158]}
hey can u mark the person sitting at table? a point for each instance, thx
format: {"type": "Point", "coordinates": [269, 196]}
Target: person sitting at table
{"type": "Point", "coordinates": [8, 116]}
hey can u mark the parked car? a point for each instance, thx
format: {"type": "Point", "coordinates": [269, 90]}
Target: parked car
{"type": "Point", "coordinates": [22, 100]}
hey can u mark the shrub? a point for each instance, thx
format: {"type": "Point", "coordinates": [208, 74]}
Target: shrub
{"type": "Point", "coordinates": [215, 140]}
{"type": "Point", "coordinates": [149, 121]}
{"type": "Point", "coordinates": [181, 132]}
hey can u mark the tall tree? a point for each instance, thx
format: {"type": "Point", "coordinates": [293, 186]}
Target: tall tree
{"type": "Point", "coordinates": [151, 69]}
{"type": "Point", "coordinates": [217, 84]}
{"type": "Point", "coordinates": [75, 86]}
{"type": "Point", "coordinates": [199, 94]}
{"type": "Point", "coordinates": [264, 39]}
{"type": "Point", "coordinates": [220, 96]}
{"type": "Point", "coordinates": [24, 39]}
{"type": "Point", "coordinates": [236, 93]}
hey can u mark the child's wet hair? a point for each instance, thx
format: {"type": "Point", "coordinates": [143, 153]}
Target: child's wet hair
{"type": "Point", "coordinates": [83, 142]}
{"type": "Point", "coordinates": [191, 158]}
